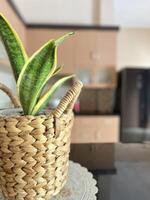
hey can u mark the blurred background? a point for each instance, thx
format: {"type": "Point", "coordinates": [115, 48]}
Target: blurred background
{"type": "Point", "coordinates": [110, 53]}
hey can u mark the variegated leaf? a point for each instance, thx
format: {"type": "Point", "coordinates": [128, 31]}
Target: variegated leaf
{"type": "Point", "coordinates": [13, 45]}
{"type": "Point", "coordinates": [36, 72]}
{"type": "Point", "coordinates": [47, 96]}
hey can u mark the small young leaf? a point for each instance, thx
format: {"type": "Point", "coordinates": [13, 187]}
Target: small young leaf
{"type": "Point", "coordinates": [58, 69]}
{"type": "Point", "coordinates": [63, 38]}
{"type": "Point", "coordinates": [13, 45]}
{"type": "Point", "coordinates": [46, 97]}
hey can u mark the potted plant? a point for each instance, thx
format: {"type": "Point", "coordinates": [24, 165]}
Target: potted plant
{"type": "Point", "coordinates": [34, 146]}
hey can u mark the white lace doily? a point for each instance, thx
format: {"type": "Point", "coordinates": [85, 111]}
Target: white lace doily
{"type": "Point", "coordinates": [80, 185]}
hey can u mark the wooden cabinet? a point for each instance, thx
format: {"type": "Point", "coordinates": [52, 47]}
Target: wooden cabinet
{"type": "Point", "coordinates": [95, 129]}
{"type": "Point", "coordinates": [94, 156]}
{"type": "Point", "coordinates": [95, 48]}
{"type": "Point", "coordinates": [87, 49]}
{"type": "Point", "coordinates": [93, 139]}
{"type": "Point", "coordinates": [37, 37]}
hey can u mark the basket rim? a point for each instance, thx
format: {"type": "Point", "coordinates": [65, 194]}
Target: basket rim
{"type": "Point", "coordinates": [18, 112]}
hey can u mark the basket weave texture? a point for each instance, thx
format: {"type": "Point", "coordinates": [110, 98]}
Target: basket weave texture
{"type": "Point", "coordinates": [34, 151]}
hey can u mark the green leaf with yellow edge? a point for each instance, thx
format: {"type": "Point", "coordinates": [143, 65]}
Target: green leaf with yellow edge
{"type": "Point", "coordinates": [47, 96]}
{"type": "Point", "coordinates": [13, 45]}
{"type": "Point", "coordinates": [63, 38]}
{"type": "Point", "coordinates": [36, 72]}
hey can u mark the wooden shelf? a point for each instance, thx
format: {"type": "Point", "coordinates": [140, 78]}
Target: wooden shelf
{"type": "Point", "coordinates": [99, 86]}
{"type": "Point", "coordinates": [96, 129]}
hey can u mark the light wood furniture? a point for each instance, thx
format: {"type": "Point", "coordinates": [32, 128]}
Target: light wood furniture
{"type": "Point", "coordinates": [99, 86]}
{"type": "Point", "coordinates": [95, 129]}
{"type": "Point", "coordinates": [95, 48]}
{"type": "Point", "coordinates": [87, 49]}
{"type": "Point", "coordinates": [93, 139]}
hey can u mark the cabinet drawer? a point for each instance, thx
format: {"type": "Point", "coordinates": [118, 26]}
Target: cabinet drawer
{"type": "Point", "coordinates": [95, 47]}
{"type": "Point", "coordinates": [95, 129]}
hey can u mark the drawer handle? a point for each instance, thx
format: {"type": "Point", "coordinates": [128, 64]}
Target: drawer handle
{"type": "Point", "coordinates": [95, 55]}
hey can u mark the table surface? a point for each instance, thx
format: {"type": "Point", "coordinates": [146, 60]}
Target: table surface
{"type": "Point", "coordinates": [130, 182]}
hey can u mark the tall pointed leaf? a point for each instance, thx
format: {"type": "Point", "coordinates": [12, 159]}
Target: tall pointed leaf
{"type": "Point", "coordinates": [47, 96]}
{"type": "Point", "coordinates": [36, 72]}
{"type": "Point", "coordinates": [13, 45]}
{"type": "Point", "coordinates": [34, 75]}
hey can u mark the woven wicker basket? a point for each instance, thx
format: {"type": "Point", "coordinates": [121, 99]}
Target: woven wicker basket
{"type": "Point", "coordinates": [34, 150]}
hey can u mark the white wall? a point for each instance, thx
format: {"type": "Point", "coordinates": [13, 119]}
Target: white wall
{"type": "Point", "coordinates": [56, 11]}
{"type": "Point", "coordinates": [125, 13]}
{"type": "Point", "coordinates": [133, 17]}
{"type": "Point", "coordinates": [107, 12]}
{"type": "Point", "coordinates": [133, 48]}
{"type": "Point", "coordinates": [67, 11]}
{"type": "Point", "coordinates": [132, 13]}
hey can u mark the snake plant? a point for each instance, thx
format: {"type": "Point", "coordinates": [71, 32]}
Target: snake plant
{"type": "Point", "coordinates": [32, 73]}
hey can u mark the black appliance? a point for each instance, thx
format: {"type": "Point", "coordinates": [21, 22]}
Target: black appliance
{"type": "Point", "coordinates": [135, 105]}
